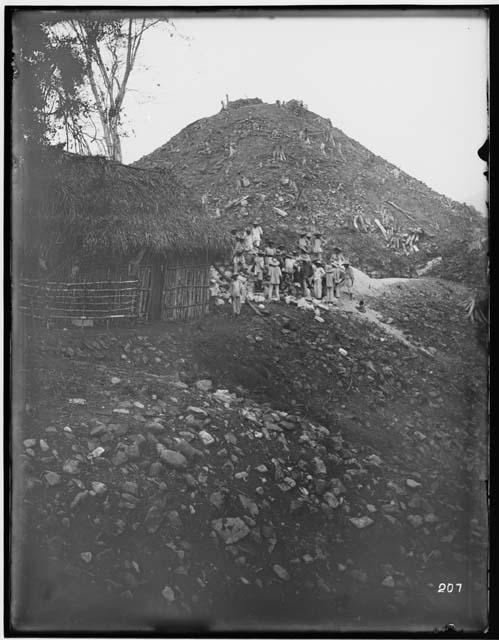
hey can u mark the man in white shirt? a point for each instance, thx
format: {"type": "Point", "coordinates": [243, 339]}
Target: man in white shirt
{"type": "Point", "coordinates": [256, 234]}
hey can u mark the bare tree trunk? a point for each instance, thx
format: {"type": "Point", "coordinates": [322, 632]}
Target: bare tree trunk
{"type": "Point", "coordinates": [108, 143]}
{"type": "Point", "coordinates": [108, 81]}
{"type": "Point", "coordinates": [115, 150]}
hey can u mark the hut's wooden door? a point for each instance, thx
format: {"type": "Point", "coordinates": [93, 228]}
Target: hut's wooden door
{"type": "Point", "coordinates": [144, 292]}
{"type": "Point", "coordinates": [156, 290]}
{"type": "Point", "coordinates": [186, 292]}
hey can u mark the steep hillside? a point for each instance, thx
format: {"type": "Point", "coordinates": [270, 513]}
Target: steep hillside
{"type": "Point", "coordinates": [252, 158]}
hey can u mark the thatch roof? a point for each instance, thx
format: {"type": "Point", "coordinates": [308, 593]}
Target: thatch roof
{"type": "Point", "coordinates": [91, 205]}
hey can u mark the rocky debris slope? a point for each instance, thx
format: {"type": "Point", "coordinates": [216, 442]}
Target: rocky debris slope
{"type": "Point", "coordinates": [364, 289]}
{"type": "Point", "coordinates": [294, 170]}
{"type": "Point", "coordinates": [463, 261]}
{"type": "Point", "coordinates": [244, 472]}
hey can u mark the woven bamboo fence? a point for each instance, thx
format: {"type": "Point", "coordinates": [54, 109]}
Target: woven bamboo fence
{"type": "Point", "coordinates": [103, 300]}
{"type": "Point", "coordinates": [186, 292]}
{"type": "Point", "coordinates": [185, 295]}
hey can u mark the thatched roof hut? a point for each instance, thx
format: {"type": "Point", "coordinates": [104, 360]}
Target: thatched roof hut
{"type": "Point", "coordinates": [88, 205]}
{"type": "Point", "coordinates": [96, 239]}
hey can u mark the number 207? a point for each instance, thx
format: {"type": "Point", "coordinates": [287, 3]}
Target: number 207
{"type": "Point", "coordinates": [449, 587]}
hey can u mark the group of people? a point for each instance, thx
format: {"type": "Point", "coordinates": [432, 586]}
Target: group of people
{"type": "Point", "coordinates": [264, 268]}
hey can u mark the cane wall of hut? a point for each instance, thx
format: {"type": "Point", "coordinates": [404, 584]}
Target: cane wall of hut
{"type": "Point", "coordinates": [185, 292]}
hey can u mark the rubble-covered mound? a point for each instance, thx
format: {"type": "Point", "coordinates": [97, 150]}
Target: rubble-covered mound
{"type": "Point", "coordinates": [293, 170]}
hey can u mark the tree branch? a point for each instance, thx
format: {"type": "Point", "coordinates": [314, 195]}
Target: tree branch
{"type": "Point", "coordinates": [102, 68]}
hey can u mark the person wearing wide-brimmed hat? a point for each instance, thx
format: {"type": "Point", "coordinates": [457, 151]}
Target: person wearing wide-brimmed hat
{"type": "Point", "coordinates": [303, 242]}
{"type": "Point", "coordinates": [337, 277]}
{"type": "Point", "coordinates": [236, 293]}
{"type": "Point", "coordinates": [317, 277]}
{"type": "Point", "coordinates": [240, 246]}
{"type": "Point", "coordinates": [250, 283]}
{"type": "Point", "coordinates": [239, 262]}
{"type": "Point", "coordinates": [289, 263]}
{"type": "Point", "coordinates": [296, 275]}
{"type": "Point", "coordinates": [275, 275]}
{"type": "Point", "coordinates": [270, 252]}
{"type": "Point", "coordinates": [337, 256]}
{"type": "Point", "coordinates": [248, 239]}
{"type": "Point", "coordinates": [258, 269]}
{"type": "Point", "coordinates": [256, 232]}
{"type": "Point", "coordinates": [317, 246]}
{"type": "Point", "coordinates": [329, 284]}
{"type": "Point", "coordinates": [306, 272]}
{"type": "Point", "coordinates": [348, 278]}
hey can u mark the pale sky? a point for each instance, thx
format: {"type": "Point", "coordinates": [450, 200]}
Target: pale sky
{"type": "Point", "coordinates": [410, 88]}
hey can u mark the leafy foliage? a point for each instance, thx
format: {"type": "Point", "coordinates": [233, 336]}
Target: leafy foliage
{"type": "Point", "coordinates": [71, 77]}
{"type": "Point", "coordinates": [108, 51]}
{"type": "Point", "coordinates": [48, 85]}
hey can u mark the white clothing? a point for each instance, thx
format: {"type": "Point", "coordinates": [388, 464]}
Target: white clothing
{"type": "Point", "coordinates": [256, 235]}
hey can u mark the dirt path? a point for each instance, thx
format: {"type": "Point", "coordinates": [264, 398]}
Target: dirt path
{"type": "Point", "coordinates": [370, 315]}
{"type": "Point", "coordinates": [369, 289]}
{"type": "Point", "coordinates": [373, 287]}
